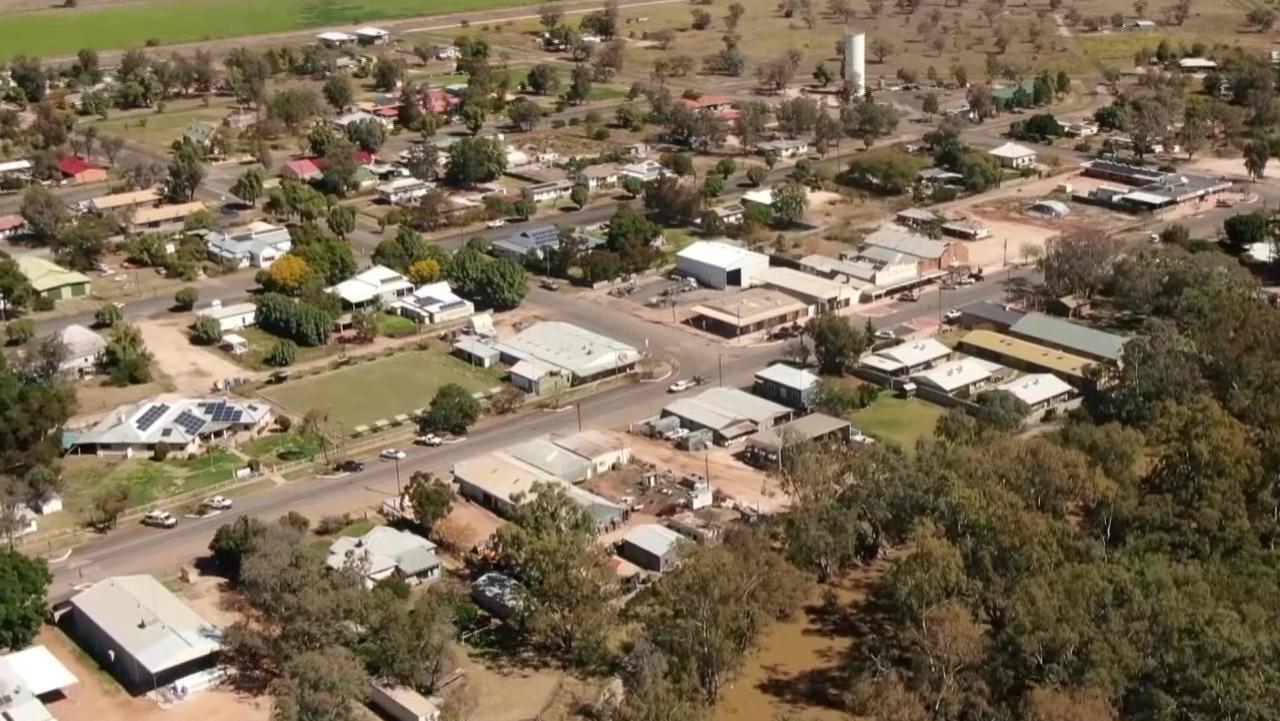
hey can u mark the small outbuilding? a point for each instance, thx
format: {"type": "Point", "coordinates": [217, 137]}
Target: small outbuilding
{"type": "Point", "coordinates": [651, 547]}
{"type": "Point", "coordinates": [1014, 155]}
{"type": "Point", "coordinates": [788, 385]}
{"type": "Point", "coordinates": [52, 280]}
{"type": "Point", "coordinates": [718, 264]}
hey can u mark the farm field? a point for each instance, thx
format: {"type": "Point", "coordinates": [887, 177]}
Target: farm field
{"type": "Point", "coordinates": [64, 31]}
{"type": "Point", "coordinates": [382, 388]}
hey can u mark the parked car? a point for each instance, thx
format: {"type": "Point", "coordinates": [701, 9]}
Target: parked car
{"type": "Point", "coordinates": [676, 435]}
{"type": "Point", "coordinates": [886, 334]}
{"type": "Point", "coordinates": [549, 284]}
{"type": "Point", "coordinates": [217, 503]}
{"type": "Point", "coordinates": [429, 439]}
{"type": "Point", "coordinates": [495, 223]}
{"type": "Point", "coordinates": [392, 454]}
{"type": "Point", "coordinates": [910, 295]}
{"type": "Point", "coordinates": [681, 386]}
{"type": "Point", "coordinates": [951, 316]}
{"type": "Point", "coordinates": [160, 519]}
{"type": "Point", "coordinates": [349, 466]}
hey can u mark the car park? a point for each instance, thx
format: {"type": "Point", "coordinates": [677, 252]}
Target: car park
{"type": "Point", "coordinates": [159, 519]}
{"type": "Point", "coordinates": [392, 454]}
{"type": "Point", "coordinates": [217, 503]}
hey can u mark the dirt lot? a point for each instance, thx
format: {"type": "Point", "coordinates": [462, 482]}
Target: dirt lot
{"type": "Point", "coordinates": [98, 698]}
{"type": "Point", "coordinates": [192, 370]}
{"type": "Point", "coordinates": [729, 476]}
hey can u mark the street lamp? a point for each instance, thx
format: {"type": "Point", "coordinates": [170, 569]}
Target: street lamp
{"type": "Point", "coordinates": [398, 495]}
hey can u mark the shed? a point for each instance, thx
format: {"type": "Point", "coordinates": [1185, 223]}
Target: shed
{"type": "Point", "coordinates": [476, 351]}
{"type": "Point", "coordinates": [651, 547]}
{"type": "Point", "coordinates": [788, 385]}
{"type": "Point", "coordinates": [52, 280]}
{"type": "Point", "coordinates": [766, 447]}
{"type": "Point", "coordinates": [500, 596]}
{"type": "Point", "coordinates": [402, 703]}
{"type": "Point", "coordinates": [718, 264]}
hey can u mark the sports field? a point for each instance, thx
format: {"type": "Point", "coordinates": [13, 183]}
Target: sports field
{"type": "Point", "coordinates": [381, 389]}
{"type": "Point", "coordinates": [63, 31]}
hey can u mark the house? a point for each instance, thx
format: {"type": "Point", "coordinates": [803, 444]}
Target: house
{"type": "Point", "coordinates": [939, 176]}
{"type": "Point", "coordinates": [1014, 155]}
{"type": "Point", "coordinates": [231, 317]}
{"type": "Point", "coordinates": [29, 679]}
{"type": "Point", "coordinates": [11, 226]}
{"type": "Point", "coordinates": [1024, 355]}
{"type": "Point", "coordinates": [499, 481]}
{"type": "Point", "coordinates": [602, 450]}
{"type": "Point", "coordinates": [907, 358]}
{"type": "Point", "coordinates": [767, 447]}
{"type": "Point", "coordinates": [717, 106]}
{"type": "Point", "coordinates": [759, 196]}
{"type": "Point", "coordinates": [183, 424]}
{"type": "Point", "coordinates": [79, 171]}
{"type": "Point", "coordinates": [145, 219]}
{"type": "Point", "coordinates": [818, 293]}
{"type": "Point", "coordinates": [553, 190]}
{"type": "Point", "coordinates": [528, 244]}
{"type": "Point", "coordinates": [361, 116]}
{"type": "Point", "coordinates": [651, 547]}
{"type": "Point", "coordinates": [240, 120]}
{"type": "Point", "coordinates": [729, 413]}
{"type": "Point", "coordinates": [372, 36]}
{"type": "Point", "coordinates": [1074, 338]}
{"type": "Point", "coordinates": [433, 303]}
{"type": "Point", "coordinates": [597, 177]}
{"type": "Point", "coordinates": [891, 245]}
{"type": "Point", "coordinates": [302, 170]}
{"type": "Point", "coordinates": [788, 385]}
{"type": "Point", "coordinates": [51, 280]}
{"type": "Point", "coordinates": [582, 356]}
{"type": "Point", "coordinates": [918, 218]}
{"type": "Point", "coordinates": [120, 201]}
{"type": "Point", "coordinates": [499, 596]}
{"type": "Point", "coordinates": [727, 214]}
{"type": "Point", "coordinates": [644, 170]}
{"type": "Point", "coordinates": [1039, 390]}
{"type": "Point", "coordinates": [83, 349]}
{"type": "Point", "coordinates": [784, 148]}
{"type": "Point", "coordinates": [141, 632]}
{"type": "Point", "coordinates": [751, 311]}
{"type": "Point", "coordinates": [720, 264]}
{"type": "Point", "coordinates": [372, 285]}
{"type": "Point", "coordinates": [257, 245]}
{"type": "Point", "coordinates": [1080, 128]}
{"type": "Point", "coordinates": [402, 703]}
{"type": "Point", "coordinates": [403, 190]}
{"type": "Point", "coordinates": [1049, 209]}
{"type": "Point", "coordinates": [961, 376]}
{"type": "Point", "coordinates": [333, 39]}
{"type": "Point", "coordinates": [438, 101]}
{"type": "Point", "coordinates": [384, 553]}
{"type": "Point", "coordinates": [991, 316]}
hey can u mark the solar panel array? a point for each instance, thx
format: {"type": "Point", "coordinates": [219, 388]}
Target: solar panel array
{"type": "Point", "coordinates": [152, 415]}
{"type": "Point", "coordinates": [189, 422]}
{"type": "Point", "coordinates": [224, 413]}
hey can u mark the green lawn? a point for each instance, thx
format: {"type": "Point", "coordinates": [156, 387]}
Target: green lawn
{"type": "Point", "coordinates": [64, 31]}
{"type": "Point", "coordinates": [903, 421]}
{"type": "Point", "coordinates": [395, 326]}
{"type": "Point", "coordinates": [357, 528]}
{"type": "Point", "coordinates": [261, 342]}
{"type": "Point", "coordinates": [381, 389]}
{"type": "Point", "coordinates": [159, 130]}
{"type": "Point", "coordinates": [147, 480]}
{"type": "Point", "coordinates": [606, 92]}
{"type": "Point", "coordinates": [284, 446]}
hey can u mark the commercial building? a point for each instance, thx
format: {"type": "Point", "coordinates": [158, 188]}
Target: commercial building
{"type": "Point", "coordinates": [384, 553]}
{"type": "Point", "coordinates": [142, 633]}
{"type": "Point", "coordinates": [766, 447]}
{"type": "Point", "coordinates": [718, 264]}
{"type": "Point", "coordinates": [602, 450]}
{"type": "Point", "coordinates": [729, 413]}
{"type": "Point", "coordinates": [788, 385]}
{"type": "Point", "coordinates": [751, 311]}
{"type": "Point", "coordinates": [231, 317]}
{"type": "Point", "coordinates": [651, 547]}
{"type": "Point", "coordinates": [1014, 155]}
{"type": "Point", "coordinates": [183, 424]}
{"type": "Point", "coordinates": [907, 358]}
{"type": "Point", "coordinates": [891, 244]}
{"type": "Point", "coordinates": [378, 284]}
{"type": "Point", "coordinates": [257, 245]}
{"type": "Point", "coordinates": [83, 350]}
{"type": "Point", "coordinates": [1039, 390]}
{"type": "Point", "coordinates": [818, 293]}
{"type": "Point", "coordinates": [548, 457]}
{"type": "Point", "coordinates": [433, 303]}
{"type": "Point", "coordinates": [868, 279]}
{"type": "Point", "coordinates": [52, 280]}
{"type": "Point", "coordinates": [961, 376]}
{"type": "Point", "coordinates": [581, 355]}
{"type": "Point", "coordinates": [1071, 337]}
{"type": "Point", "coordinates": [29, 679]}
{"type": "Point", "coordinates": [1128, 173]}
{"type": "Point", "coordinates": [1023, 355]}
{"type": "Point", "coordinates": [499, 481]}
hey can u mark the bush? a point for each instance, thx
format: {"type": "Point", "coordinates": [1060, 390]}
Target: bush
{"type": "Point", "coordinates": [161, 452]}
{"type": "Point", "coordinates": [284, 423]}
{"type": "Point", "coordinates": [507, 400]}
{"type": "Point", "coordinates": [452, 409]}
{"type": "Point", "coordinates": [296, 521]}
{"type": "Point", "coordinates": [20, 331]}
{"type": "Point", "coordinates": [43, 303]}
{"type": "Point", "coordinates": [330, 525]}
{"type": "Point", "coordinates": [283, 353]}
{"type": "Point", "coordinates": [206, 331]}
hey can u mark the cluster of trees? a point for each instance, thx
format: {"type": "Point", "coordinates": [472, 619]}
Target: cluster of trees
{"type": "Point", "coordinates": [497, 283]}
{"type": "Point", "coordinates": [292, 319]}
{"type": "Point", "coordinates": [126, 360]}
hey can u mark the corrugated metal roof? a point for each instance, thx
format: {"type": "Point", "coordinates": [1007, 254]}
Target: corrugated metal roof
{"type": "Point", "coordinates": [1070, 336]}
{"type": "Point", "coordinates": [655, 539]}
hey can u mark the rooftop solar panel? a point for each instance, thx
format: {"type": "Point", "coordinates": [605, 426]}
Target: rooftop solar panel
{"type": "Point", "coordinates": [152, 415]}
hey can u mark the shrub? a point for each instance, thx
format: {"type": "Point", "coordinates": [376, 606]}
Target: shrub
{"type": "Point", "coordinates": [283, 353]}
{"type": "Point", "coordinates": [330, 525]}
{"type": "Point", "coordinates": [161, 452]}
{"type": "Point", "coordinates": [284, 423]}
{"type": "Point", "coordinates": [206, 331]}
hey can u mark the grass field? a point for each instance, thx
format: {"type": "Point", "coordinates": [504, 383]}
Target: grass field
{"type": "Point", "coordinates": [261, 343]}
{"type": "Point", "coordinates": [146, 479]}
{"type": "Point", "coordinates": [383, 388]}
{"type": "Point", "coordinates": [899, 420]}
{"type": "Point", "coordinates": [64, 31]}
{"type": "Point", "coordinates": [284, 446]}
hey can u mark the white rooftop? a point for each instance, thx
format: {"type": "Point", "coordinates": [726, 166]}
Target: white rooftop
{"type": "Point", "coordinates": [1036, 388]}
{"type": "Point", "coordinates": [228, 311]}
{"type": "Point", "coordinates": [651, 537]}
{"type": "Point", "coordinates": [799, 282]}
{"type": "Point", "coordinates": [1012, 151]}
{"type": "Point", "coordinates": [719, 254]}
{"type": "Point", "coordinates": [573, 349]}
{"type": "Point", "coordinates": [372, 32]}
{"type": "Point", "coordinates": [788, 376]}
{"type": "Point", "coordinates": [908, 355]}
{"type": "Point", "coordinates": [369, 284]}
{"type": "Point", "coordinates": [335, 37]}
{"type": "Point", "coordinates": [35, 671]}
{"type": "Point", "coordinates": [80, 341]}
{"type": "Point", "coordinates": [957, 374]}
{"type": "Point", "coordinates": [385, 550]}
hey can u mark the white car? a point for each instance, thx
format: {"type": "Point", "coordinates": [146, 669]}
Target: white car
{"type": "Point", "coordinates": [951, 316]}
{"type": "Point", "coordinates": [681, 386]}
{"type": "Point", "coordinates": [886, 334]}
{"type": "Point", "coordinates": [160, 519]}
{"type": "Point", "coordinates": [430, 439]}
{"type": "Point", "coordinates": [391, 454]}
{"type": "Point", "coordinates": [217, 503]}
{"type": "Point", "coordinates": [495, 223]}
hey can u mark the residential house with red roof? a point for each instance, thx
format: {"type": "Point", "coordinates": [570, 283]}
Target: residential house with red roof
{"type": "Point", "coordinates": [81, 171]}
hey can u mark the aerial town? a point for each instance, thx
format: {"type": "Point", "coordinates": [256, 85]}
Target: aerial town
{"type": "Point", "coordinates": [639, 360]}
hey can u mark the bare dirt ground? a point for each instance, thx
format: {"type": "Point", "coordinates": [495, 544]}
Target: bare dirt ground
{"type": "Point", "coordinates": [508, 692]}
{"type": "Point", "coordinates": [193, 370]}
{"type": "Point", "coordinates": [97, 697]}
{"type": "Point", "coordinates": [729, 476]}
{"type": "Point", "coordinates": [94, 397]}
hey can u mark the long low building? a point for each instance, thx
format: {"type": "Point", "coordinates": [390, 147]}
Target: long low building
{"type": "Point", "coordinates": [766, 447]}
{"type": "Point", "coordinates": [581, 355]}
{"type": "Point", "coordinates": [719, 264]}
{"type": "Point", "coordinates": [1024, 355]}
{"type": "Point", "coordinates": [750, 311]}
{"type": "Point", "coordinates": [819, 293]}
{"type": "Point", "coordinates": [730, 414]}
{"type": "Point", "coordinates": [964, 375]}
{"type": "Point", "coordinates": [1070, 337]}
{"type": "Point", "coordinates": [907, 358]}
{"type": "Point", "coordinates": [180, 423]}
{"type": "Point", "coordinates": [1039, 390]}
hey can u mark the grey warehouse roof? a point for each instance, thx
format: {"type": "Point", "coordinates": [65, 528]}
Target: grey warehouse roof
{"type": "Point", "coordinates": [655, 539]}
{"type": "Point", "coordinates": [1070, 336]}
{"type": "Point", "coordinates": [995, 313]}
{"type": "Point", "coordinates": [550, 458]}
{"type": "Point", "coordinates": [150, 623]}
{"type": "Point", "coordinates": [570, 348]}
